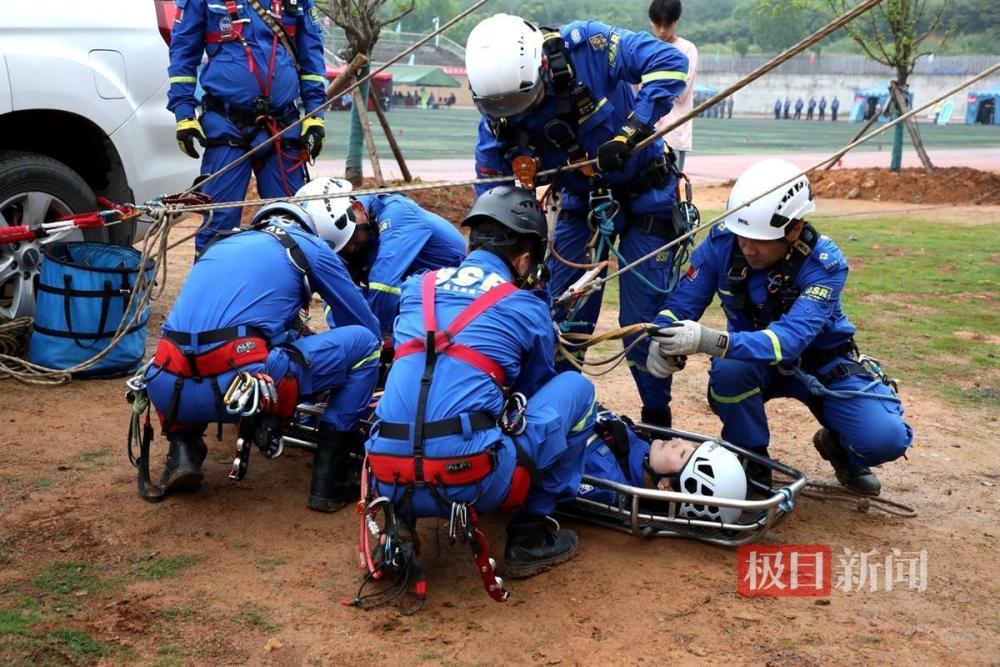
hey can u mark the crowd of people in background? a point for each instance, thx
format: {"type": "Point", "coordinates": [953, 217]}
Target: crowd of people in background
{"type": "Point", "coordinates": [784, 109]}
{"type": "Point", "coordinates": [422, 99]}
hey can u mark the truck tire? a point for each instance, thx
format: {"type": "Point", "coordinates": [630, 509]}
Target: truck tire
{"type": "Point", "coordinates": [35, 189]}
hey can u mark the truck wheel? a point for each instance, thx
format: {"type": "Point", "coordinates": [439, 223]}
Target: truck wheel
{"type": "Point", "coordinates": [35, 189]}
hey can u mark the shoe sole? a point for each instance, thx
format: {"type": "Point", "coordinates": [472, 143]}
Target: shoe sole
{"type": "Point", "coordinates": [327, 505]}
{"type": "Point", "coordinates": [536, 567]}
{"type": "Point", "coordinates": [184, 481]}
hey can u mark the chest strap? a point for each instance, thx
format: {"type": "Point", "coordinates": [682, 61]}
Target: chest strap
{"type": "Point", "coordinates": [444, 341]}
{"type": "Point", "coordinates": [781, 288]}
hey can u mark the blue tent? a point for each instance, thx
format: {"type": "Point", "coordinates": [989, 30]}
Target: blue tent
{"type": "Point", "coordinates": [869, 102]}
{"type": "Point", "coordinates": [983, 107]}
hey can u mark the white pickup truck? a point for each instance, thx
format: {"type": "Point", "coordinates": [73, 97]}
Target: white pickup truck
{"type": "Point", "coordinates": [83, 95]}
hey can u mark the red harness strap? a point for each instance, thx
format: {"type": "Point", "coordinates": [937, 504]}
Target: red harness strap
{"type": "Point", "coordinates": [445, 340]}
{"type": "Point", "coordinates": [232, 354]}
{"type": "Point", "coordinates": [449, 471]}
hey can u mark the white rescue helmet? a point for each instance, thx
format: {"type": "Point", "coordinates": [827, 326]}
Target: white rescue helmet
{"type": "Point", "coordinates": [712, 470]}
{"type": "Point", "coordinates": [503, 60]}
{"type": "Point", "coordinates": [768, 218]}
{"type": "Point", "coordinates": [283, 212]}
{"type": "Point", "coordinates": [332, 214]}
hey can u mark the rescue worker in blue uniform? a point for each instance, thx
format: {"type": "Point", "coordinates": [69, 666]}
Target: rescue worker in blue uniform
{"type": "Point", "coordinates": [238, 311]}
{"type": "Point", "coordinates": [384, 239]}
{"type": "Point", "coordinates": [264, 58]}
{"type": "Point", "coordinates": [615, 453]}
{"type": "Point", "coordinates": [780, 282]}
{"type": "Point", "coordinates": [549, 99]}
{"type": "Point", "coordinates": [491, 334]}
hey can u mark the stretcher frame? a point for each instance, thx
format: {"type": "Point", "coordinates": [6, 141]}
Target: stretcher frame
{"type": "Point", "coordinates": [758, 516]}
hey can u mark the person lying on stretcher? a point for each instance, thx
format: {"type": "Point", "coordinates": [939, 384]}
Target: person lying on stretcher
{"type": "Point", "coordinates": [616, 453]}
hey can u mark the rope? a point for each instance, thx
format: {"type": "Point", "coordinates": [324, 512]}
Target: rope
{"type": "Point", "coordinates": [153, 250]}
{"type": "Point", "coordinates": [555, 172]}
{"type": "Point", "coordinates": [597, 282]}
{"type": "Point", "coordinates": [779, 59]}
{"type": "Point", "coordinates": [14, 335]}
{"type": "Point", "coordinates": [837, 494]}
{"type": "Point", "coordinates": [356, 85]}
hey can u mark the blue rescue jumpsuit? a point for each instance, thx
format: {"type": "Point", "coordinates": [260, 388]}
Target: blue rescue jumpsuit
{"type": "Point", "coordinates": [599, 461]}
{"type": "Point", "coordinates": [872, 430]}
{"type": "Point", "coordinates": [405, 239]}
{"type": "Point", "coordinates": [610, 61]}
{"type": "Point", "coordinates": [247, 279]}
{"type": "Point", "coordinates": [517, 334]}
{"type": "Point", "coordinates": [242, 72]}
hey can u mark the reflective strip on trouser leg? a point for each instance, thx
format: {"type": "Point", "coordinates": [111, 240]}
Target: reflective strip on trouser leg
{"type": "Point", "coordinates": [736, 394]}
{"type": "Point", "coordinates": [344, 361]}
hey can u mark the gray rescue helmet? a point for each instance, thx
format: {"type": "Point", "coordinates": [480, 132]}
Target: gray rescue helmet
{"type": "Point", "coordinates": [511, 207]}
{"type": "Point", "coordinates": [281, 211]}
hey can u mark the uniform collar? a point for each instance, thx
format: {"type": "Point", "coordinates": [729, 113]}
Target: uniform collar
{"type": "Point", "coordinates": [489, 261]}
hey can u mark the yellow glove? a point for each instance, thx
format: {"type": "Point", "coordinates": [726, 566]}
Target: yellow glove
{"type": "Point", "coordinates": [189, 130]}
{"type": "Point", "coordinates": [313, 133]}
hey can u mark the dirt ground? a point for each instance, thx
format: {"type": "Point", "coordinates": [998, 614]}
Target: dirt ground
{"type": "Point", "coordinates": [258, 578]}
{"type": "Point", "coordinates": [943, 186]}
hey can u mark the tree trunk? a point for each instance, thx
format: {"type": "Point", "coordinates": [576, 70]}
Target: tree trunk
{"type": "Point", "coordinates": [354, 169]}
{"type": "Point", "coordinates": [393, 146]}
{"type": "Point", "coordinates": [871, 121]}
{"type": "Point", "coordinates": [899, 95]}
{"type": "Point", "coordinates": [361, 106]}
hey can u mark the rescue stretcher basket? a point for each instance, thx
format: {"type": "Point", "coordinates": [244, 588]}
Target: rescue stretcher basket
{"type": "Point", "coordinates": [653, 513]}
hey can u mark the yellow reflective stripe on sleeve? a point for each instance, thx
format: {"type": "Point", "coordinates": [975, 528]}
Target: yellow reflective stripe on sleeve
{"type": "Point", "coordinates": [326, 311]}
{"type": "Point", "coordinates": [182, 79]}
{"type": "Point", "coordinates": [776, 343]}
{"type": "Point", "coordinates": [661, 76]}
{"type": "Point", "coordinates": [579, 426]}
{"type": "Point", "coordinates": [668, 313]}
{"type": "Point", "coordinates": [733, 399]}
{"type": "Point", "coordinates": [371, 357]}
{"type": "Point", "coordinates": [600, 104]}
{"type": "Point", "coordinates": [313, 77]}
{"type": "Point", "coordinates": [725, 292]}
{"type": "Point", "coordinates": [382, 287]}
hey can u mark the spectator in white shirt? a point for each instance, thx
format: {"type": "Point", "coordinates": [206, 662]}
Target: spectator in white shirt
{"type": "Point", "coordinates": [663, 17]}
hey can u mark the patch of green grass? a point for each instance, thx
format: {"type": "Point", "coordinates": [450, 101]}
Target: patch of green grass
{"type": "Point", "coordinates": [270, 564]}
{"type": "Point", "coordinates": [64, 580]}
{"type": "Point", "coordinates": [95, 455]}
{"type": "Point", "coordinates": [926, 299]}
{"type": "Point", "coordinates": [15, 622]}
{"type": "Point", "coordinates": [168, 567]}
{"type": "Point", "coordinates": [78, 644]}
{"type": "Point", "coordinates": [42, 483]}
{"type": "Point", "coordinates": [253, 616]}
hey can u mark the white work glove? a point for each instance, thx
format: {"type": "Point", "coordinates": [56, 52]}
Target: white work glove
{"type": "Point", "coordinates": [661, 365]}
{"type": "Point", "coordinates": [687, 337]}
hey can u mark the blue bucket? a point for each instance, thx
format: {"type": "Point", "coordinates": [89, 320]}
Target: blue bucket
{"type": "Point", "coordinates": [83, 291]}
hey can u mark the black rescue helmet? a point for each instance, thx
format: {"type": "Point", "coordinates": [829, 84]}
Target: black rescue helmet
{"type": "Point", "coordinates": [512, 207]}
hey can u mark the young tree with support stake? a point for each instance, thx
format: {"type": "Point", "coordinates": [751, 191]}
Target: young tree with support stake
{"type": "Point", "coordinates": [359, 19]}
{"type": "Point", "coordinates": [893, 34]}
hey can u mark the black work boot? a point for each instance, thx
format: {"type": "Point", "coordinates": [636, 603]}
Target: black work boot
{"type": "Point", "coordinates": [335, 478]}
{"type": "Point", "coordinates": [759, 475]}
{"type": "Point", "coordinates": [533, 548]}
{"type": "Point", "coordinates": [855, 478]}
{"type": "Point", "coordinates": [657, 417]}
{"type": "Point", "coordinates": [183, 470]}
